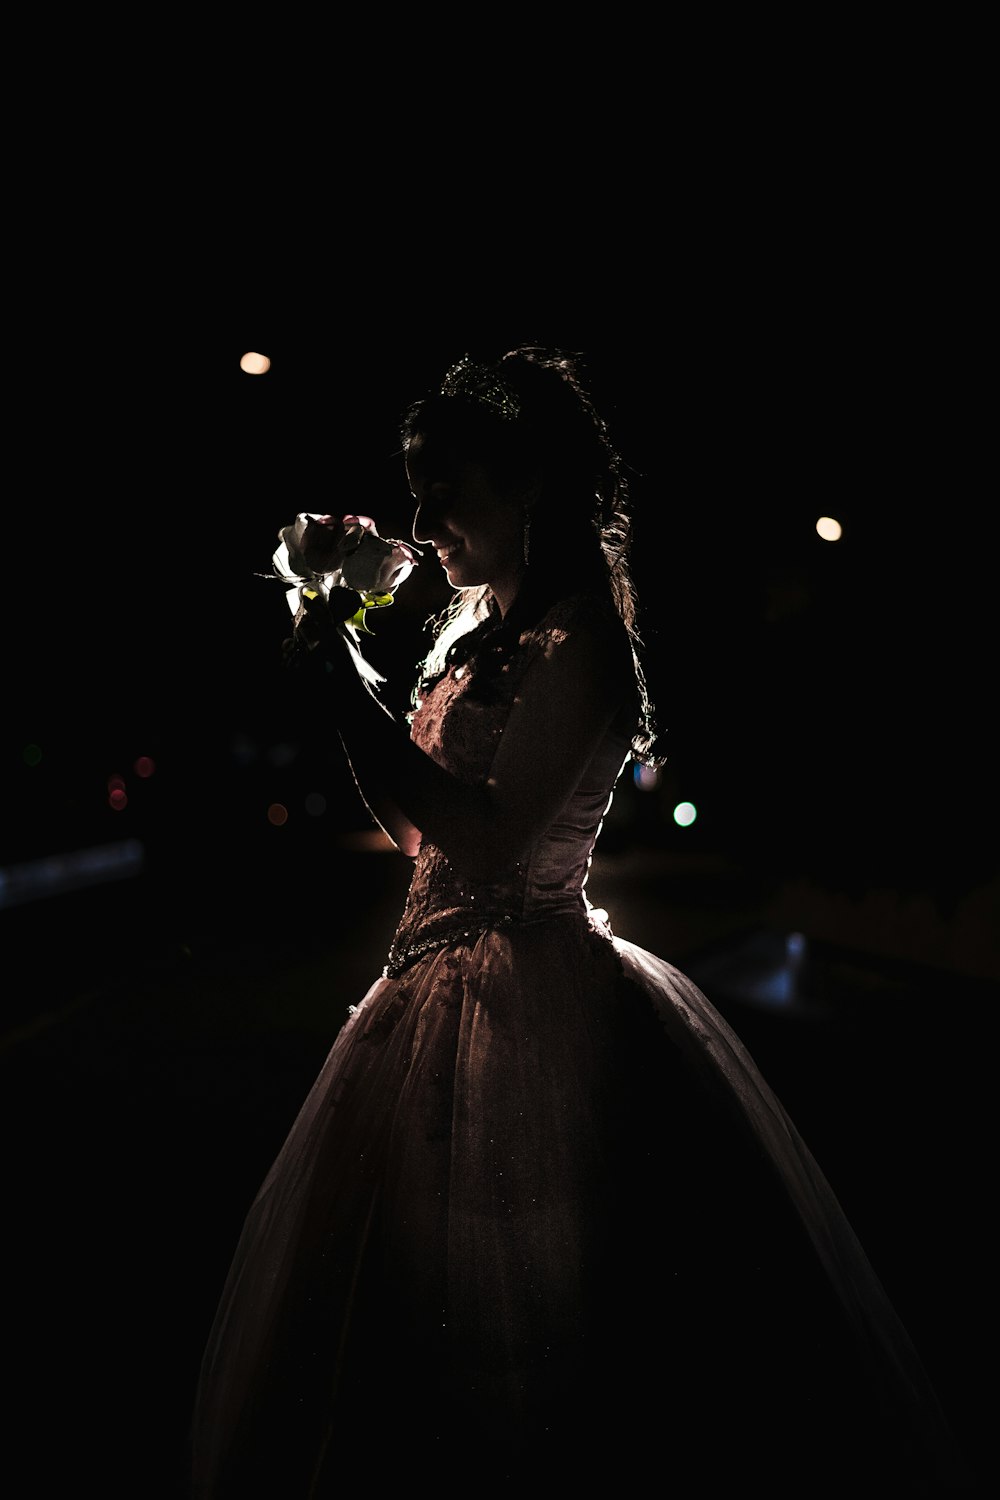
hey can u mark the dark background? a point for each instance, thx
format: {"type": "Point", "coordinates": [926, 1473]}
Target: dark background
{"type": "Point", "coordinates": [771, 340]}
{"type": "Point", "coordinates": [826, 706]}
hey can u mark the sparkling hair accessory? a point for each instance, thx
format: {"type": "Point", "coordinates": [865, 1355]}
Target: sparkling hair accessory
{"type": "Point", "coordinates": [484, 384]}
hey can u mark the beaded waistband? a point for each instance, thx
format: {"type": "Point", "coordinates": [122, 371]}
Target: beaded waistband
{"type": "Point", "coordinates": [400, 959]}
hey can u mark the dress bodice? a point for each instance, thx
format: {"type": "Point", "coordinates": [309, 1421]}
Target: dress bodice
{"type": "Point", "coordinates": [459, 724]}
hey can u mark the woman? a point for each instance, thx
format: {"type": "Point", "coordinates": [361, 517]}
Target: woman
{"type": "Point", "coordinates": [540, 1219]}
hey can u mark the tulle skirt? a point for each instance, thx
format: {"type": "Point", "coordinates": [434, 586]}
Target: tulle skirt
{"type": "Point", "coordinates": [541, 1221]}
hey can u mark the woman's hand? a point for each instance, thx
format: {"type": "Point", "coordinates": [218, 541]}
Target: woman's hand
{"type": "Point", "coordinates": [320, 633]}
{"type": "Point", "coordinates": [325, 646]}
{"type": "Point", "coordinates": [320, 623]}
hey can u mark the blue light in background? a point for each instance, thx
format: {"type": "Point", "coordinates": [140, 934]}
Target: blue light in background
{"type": "Point", "coordinates": [57, 873]}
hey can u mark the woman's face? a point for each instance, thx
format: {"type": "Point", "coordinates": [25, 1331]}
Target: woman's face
{"type": "Point", "coordinates": [474, 522]}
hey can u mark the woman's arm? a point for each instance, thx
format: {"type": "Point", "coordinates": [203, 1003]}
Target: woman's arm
{"type": "Point", "coordinates": [565, 702]}
{"type": "Point", "coordinates": [372, 785]}
{"type": "Point", "coordinates": [336, 685]}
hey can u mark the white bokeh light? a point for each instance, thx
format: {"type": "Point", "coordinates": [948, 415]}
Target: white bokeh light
{"type": "Point", "coordinates": [255, 364]}
{"type": "Point", "coordinates": [829, 529]}
{"type": "Point", "coordinates": [685, 814]}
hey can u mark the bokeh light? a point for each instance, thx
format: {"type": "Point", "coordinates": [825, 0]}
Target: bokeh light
{"type": "Point", "coordinates": [277, 814]}
{"type": "Point", "coordinates": [144, 766]}
{"type": "Point", "coordinates": [117, 799]}
{"type": "Point", "coordinates": [685, 814]}
{"type": "Point", "coordinates": [829, 529]}
{"type": "Point", "coordinates": [255, 364]}
{"type": "Point", "coordinates": [646, 778]}
{"type": "Point", "coordinates": [31, 754]}
{"type": "Point", "coordinates": [315, 804]}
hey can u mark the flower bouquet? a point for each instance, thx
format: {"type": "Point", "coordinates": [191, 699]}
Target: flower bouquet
{"type": "Point", "coordinates": [338, 568]}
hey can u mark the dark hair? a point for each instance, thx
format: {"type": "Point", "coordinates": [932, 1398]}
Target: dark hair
{"type": "Point", "coordinates": [528, 414]}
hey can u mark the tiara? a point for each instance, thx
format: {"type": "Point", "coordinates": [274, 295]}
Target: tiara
{"type": "Point", "coordinates": [481, 383]}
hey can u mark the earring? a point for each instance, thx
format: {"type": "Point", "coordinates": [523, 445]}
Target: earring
{"type": "Point", "coordinates": [526, 536]}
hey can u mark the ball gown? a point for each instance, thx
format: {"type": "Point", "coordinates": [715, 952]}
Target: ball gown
{"type": "Point", "coordinates": [541, 1221]}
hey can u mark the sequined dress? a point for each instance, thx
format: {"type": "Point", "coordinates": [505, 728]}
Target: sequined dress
{"type": "Point", "coordinates": [541, 1222]}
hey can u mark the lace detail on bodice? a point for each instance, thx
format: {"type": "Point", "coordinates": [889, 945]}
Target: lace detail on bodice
{"type": "Point", "coordinates": [459, 724]}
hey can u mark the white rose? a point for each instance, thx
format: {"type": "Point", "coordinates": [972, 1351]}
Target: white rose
{"type": "Point", "coordinates": [328, 552]}
{"type": "Point", "coordinates": [376, 565]}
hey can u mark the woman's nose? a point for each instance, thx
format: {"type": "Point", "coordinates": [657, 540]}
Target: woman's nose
{"type": "Point", "coordinates": [426, 517]}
